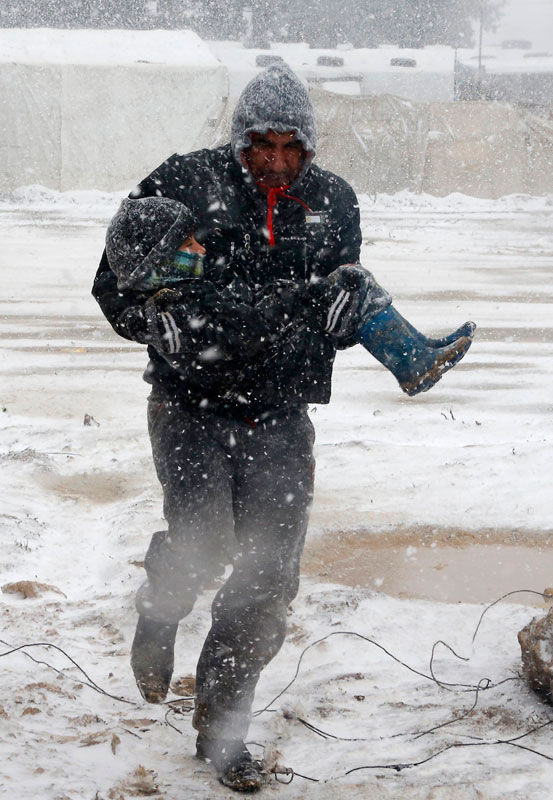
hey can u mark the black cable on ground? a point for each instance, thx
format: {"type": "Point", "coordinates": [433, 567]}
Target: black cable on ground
{"type": "Point", "coordinates": [431, 676]}
{"type": "Point", "coordinates": [483, 685]}
{"type": "Point", "coordinates": [88, 682]}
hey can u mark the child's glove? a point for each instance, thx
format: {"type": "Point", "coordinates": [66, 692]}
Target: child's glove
{"type": "Point", "coordinates": [166, 297]}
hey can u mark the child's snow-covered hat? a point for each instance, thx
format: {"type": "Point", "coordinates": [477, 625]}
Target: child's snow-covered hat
{"type": "Point", "coordinates": [143, 236]}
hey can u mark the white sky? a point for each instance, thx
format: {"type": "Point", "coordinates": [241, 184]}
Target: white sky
{"type": "Point", "coordinates": [526, 19]}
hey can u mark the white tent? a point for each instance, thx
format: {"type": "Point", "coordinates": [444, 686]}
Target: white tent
{"type": "Point", "coordinates": [100, 109]}
{"type": "Point", "coordinates": [386, 144]}
{"type": "Point", "coordinates": [424, 75]}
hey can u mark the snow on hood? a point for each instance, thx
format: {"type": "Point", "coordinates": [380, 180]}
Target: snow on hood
{"type": "Point", "coordinates": [277, 100]}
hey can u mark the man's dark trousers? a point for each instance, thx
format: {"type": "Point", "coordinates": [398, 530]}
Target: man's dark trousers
{"type": "Point", "coordinates": [228, 483]}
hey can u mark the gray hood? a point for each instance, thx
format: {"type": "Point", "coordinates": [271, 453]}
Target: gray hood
{"type": "Point", "coordinates": [277, 100]}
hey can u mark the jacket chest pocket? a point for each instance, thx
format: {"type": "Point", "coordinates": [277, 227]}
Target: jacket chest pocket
{"type": "Point", "coordinates": [318, 231]}
{"type": "Point", "coordinates": [285, 261]}
{"type": "Point", "coordinates": [288, 258]}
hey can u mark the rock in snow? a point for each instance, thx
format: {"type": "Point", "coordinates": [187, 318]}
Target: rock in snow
{"type": "Point", "coordinates": [536, 644]}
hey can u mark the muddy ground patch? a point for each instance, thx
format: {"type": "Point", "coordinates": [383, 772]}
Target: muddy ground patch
{"type": "Point", "coordinates": [445, 564]}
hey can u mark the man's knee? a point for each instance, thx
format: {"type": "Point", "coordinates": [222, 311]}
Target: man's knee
{"type": "Point", "coordinates": [163, 604]}
{"type": "Point", "coordinates": [257, 597]}
{"type": "Point", "coordinates": [177, 570]}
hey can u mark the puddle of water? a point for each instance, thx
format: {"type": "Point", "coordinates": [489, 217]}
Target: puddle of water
{"type": "Point", "coordinates": [468, 573]}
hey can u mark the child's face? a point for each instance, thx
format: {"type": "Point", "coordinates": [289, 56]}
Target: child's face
{"type": "Point", "coordinates": [186, 264]}
{"type": "Point", "coordinates": [191, 245]}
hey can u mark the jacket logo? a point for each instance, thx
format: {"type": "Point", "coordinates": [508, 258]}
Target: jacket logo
{"type": "Point", "coordinates": [316, 218]}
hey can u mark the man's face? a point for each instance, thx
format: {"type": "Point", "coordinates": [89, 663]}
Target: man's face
{"type": "Point", "coordinates": [274, 159]}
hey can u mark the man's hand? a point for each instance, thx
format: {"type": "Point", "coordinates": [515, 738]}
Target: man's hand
{"type": "Point", "coordinates": [343, 300]}
{"type": "Point", "coordinates": [336, 305]}
{"type": "Point", "coordinates": [167, 325]}
{"type": "Point", "coordinates": [173, 315]}
{"type": "Point", "coordinates": [336, 299]}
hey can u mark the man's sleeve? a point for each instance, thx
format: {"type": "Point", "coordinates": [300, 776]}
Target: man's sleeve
{"type": "Point", "coordinates": [124, 310]}
{"type": "Point", "coordinates": [202, 323]}
{"type": "Point", "coordinates": [347, 249]}
{"type": "Point", "coordinates": [206, 324]}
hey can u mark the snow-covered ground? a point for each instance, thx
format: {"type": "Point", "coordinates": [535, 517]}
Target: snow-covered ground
{"type": "Point", "coordinates": [469, 463]}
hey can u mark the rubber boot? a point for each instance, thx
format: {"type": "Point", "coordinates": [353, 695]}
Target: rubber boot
{"type": "Point", "coordinates": [152, 658]}
{"type": "Point", "coordinates": [416, 362]}
{"type": "Point", "coordinates": [467, 329]}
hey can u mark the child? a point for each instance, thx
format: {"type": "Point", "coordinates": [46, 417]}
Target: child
{"type": "Point", "coordinates": [152, 250]}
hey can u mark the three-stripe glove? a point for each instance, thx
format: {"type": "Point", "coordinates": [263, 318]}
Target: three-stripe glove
{"type": "Point", "coordinates": [344, 299]}
{"type": "Point", "coordinates": [173, 316]}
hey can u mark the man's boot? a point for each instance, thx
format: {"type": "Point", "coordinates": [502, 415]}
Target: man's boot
{"type": "Point", "coordinates": [233, 763]}
{"type": "Point", "coordinates": [416, 362]}
{"type": "Point", "coordinates": [152, 658]}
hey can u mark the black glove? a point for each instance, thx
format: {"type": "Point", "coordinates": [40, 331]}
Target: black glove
{"type": "Point", "coordinates": [334, 302]}
{"type": "Point", "coordinates": [335, 305]}
{"type": "Point", "coordinates": [172, 312]}
{"type": "Point", "coordinates": [345, 298]}
{"type": "Point", "coordinates": [326, 304]}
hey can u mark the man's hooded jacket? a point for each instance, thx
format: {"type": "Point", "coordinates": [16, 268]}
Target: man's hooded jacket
{"type": "Point", "coordinates": [309, 233]}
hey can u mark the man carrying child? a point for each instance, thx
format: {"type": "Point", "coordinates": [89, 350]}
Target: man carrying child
{"type": "Point", "coordinates": [240, 342]}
